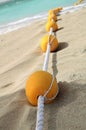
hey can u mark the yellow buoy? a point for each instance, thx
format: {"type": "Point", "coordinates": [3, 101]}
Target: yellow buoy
{"type": "Point", "coordinates": [57, 10]}
{"type": "Point", "coordinates": [37, 84]}
{"type": "Point", "coordinates": [51, 12]}
{"type": "Point", "coordinates": [60, 8]}
{"type": "Point", "coordinates": [44, 42]}
{"type": "Point", "coordinates": [52, 17]}
{"type": "Point", "coordinates": [52, 24]}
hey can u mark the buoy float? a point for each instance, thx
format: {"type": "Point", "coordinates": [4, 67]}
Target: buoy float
{"type": "Point", "coordinates": [51, 12]}
{"type": "Point", "coordinates": [52, 17]}
{"type": "Point", "coordinates": [60, 8]}
{"type": "Point", "coordinates": [45, 40]}
{"type": "Point", "coordinates": [57, 10]}
{"type": "Point", "coordinates": [37, 84]}
{"type": "Point", "coordinates": [52, 24]}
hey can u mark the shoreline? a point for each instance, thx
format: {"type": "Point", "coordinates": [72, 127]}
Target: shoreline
{"type": "Point", "coordinates": [28, 21]}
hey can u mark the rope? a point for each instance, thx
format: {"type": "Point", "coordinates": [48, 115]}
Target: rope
{"type": "Point", "coordinates": [41, 99]}
{"type": "Point", "coordinates": [45, 95]}
{"type": "Point", "coordinates": [40, 113]}
{"type": "Point", "coordinates": [45, 66]}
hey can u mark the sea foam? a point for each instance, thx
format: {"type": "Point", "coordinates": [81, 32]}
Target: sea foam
{"type": "Point", "coordinates": [4, 1]}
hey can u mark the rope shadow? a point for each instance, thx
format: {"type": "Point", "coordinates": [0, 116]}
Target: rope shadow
{"type": "Point", "coordinates": [7, 85]}
{"type": "Point", "coordinates": [59, 19]}
{"type": "Point", "coordinates": [54, 64]}
{"type": "Point", "coordinates": [60, 28]}
{"type": "Point", "coordinates": [69, 92]}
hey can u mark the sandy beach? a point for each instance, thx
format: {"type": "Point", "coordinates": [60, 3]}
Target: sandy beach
{"type": "Point", "coordinates": [20, 56]}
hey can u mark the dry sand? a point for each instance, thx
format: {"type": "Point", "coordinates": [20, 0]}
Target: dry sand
{"type": "Point", "coordinates": [20, 55]}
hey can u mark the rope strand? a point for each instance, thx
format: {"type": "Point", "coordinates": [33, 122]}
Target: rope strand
{"type": "Point", "coordinates": [40, 113]}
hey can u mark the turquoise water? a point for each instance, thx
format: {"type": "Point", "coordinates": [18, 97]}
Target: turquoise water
{"type": "Point", "coordinates": [13, 10]}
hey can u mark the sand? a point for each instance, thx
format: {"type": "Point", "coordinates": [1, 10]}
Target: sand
{"type": "Point", "coordinates": [20, 56]}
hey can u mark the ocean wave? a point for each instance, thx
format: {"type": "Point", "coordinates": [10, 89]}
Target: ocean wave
{"type": "Point", "coordinates": [10, 1]}
{"type": "Point", "coordinates": [20, 23]}
{"type": "Point", "coordinates": [71, 9]}
{"type": "Point", "coordinates": [4, 1]}
{"type": "Point", "coordinates": [28, 20]}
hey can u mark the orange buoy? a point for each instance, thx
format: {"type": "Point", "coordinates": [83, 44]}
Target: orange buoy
{"type": "Point", "coordinates": [51, 12]}
{"type": "Point", "coordinates": [57, 10]}
{"type": "Point", "coordinates": [44, 42]}
{"type": "Point", "coordinates": [52, 24]}
{"type": "Point", "coordinates": [60, 8]}
{"type": "Point", "coordinates": [52, 17]}
{"type": "Point", "coordinates": [37, 84]}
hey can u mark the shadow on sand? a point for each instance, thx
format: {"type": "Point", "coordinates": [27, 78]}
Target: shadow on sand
{"type": "Point", "coordinates": [68, 93]}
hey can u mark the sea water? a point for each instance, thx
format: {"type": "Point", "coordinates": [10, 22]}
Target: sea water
{"type": "Point", "coordinates": [17, 13]}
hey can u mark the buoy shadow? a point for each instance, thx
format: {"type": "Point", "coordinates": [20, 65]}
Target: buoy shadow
{"type": "Point", "coordinates": [62, 45]}
{"type": "Point", "coordinates": [68, 93]}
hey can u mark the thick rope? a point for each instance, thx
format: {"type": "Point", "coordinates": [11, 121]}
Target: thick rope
{"type": "Point", "coordinates": [41, 99]}
{"type": "Point", "coordinates": [45, 66]}
{"type": "Point", "coordinates": [40, 113]}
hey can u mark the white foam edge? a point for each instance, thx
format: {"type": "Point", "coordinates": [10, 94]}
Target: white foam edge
{"type": "Point", "coordinates": [28, 20]}
{"type": "Point", "coordinates": [4, 1]}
